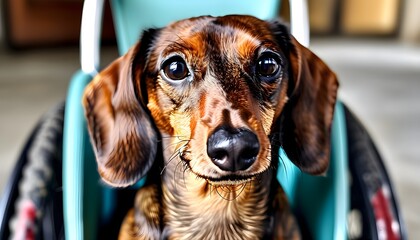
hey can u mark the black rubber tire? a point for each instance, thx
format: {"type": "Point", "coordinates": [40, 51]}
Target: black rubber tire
{"type": "Point", "coordinates": [368, 177]}
{"type": "Point", "coordinates": [11, 193]}
{"type": "Point", "coordinates": [37, 178]}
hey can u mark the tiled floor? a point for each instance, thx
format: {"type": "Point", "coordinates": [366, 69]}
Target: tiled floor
{"type": "Point", "coordinates": [380, 81]}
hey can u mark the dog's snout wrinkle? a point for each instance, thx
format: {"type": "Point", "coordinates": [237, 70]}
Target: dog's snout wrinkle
{"type": "Point", "coordinates": [233, 150]}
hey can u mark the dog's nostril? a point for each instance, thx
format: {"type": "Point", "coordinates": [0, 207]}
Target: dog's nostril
{"type": "Point", "coordinates": [249, 153]}
{"type": "Point", "coordinates": [219, 155]}
{"type": "Point", "coordinates": [233, 150]}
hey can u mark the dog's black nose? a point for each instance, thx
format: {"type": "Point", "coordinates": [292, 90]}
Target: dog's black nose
{"type": "Point", "coordinates": [233, 149]}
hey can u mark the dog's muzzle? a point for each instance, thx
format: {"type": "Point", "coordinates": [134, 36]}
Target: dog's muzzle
{"type": "Point", "coordinates": [233, 149]}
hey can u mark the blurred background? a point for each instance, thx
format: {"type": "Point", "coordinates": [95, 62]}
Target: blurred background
{"type": "Point", "coordinates": [373, 46]}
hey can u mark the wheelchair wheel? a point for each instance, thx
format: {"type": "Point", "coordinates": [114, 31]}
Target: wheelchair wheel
{"type": "Point", "coordinates": [374, 212]}
{"type": "Point", "coordinates": [31, 206]}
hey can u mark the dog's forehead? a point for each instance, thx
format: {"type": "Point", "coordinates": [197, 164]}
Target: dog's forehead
{"type": "Point", "coordinates": [242, 34]}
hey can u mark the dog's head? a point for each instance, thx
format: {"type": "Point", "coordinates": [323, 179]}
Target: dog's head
{"type": "Point", "coordinates": [228, 91]}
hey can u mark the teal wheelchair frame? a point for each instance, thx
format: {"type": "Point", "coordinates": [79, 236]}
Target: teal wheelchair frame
{"type": "Point", "coordinates": [322, 203]}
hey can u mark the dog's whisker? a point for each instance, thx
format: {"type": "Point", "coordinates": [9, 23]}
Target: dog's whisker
{"type": "Point", "coordinates": [173, 136]}
{"type": "Point", "coordinates": [177, 153]}
{"type": "Point", "coordinates": [229, 192]}
{"type": "Point", "coordinates": [174, 155]}
{"type": "Point", "coordinates": [224, 189]}
{"type": "Point", "coordinates": [177, 143]}
{"type": "Point", "coordinates": [186, 168]}
{"type": "Point", "coordinates": [181, 165]}
{"type": "Point", "coordinates": [243, 188]}
{"type": "Point", "coordinates": [220, 195]}
{"type": "Point", "coordinates": [175, 177]}
{"type": "Point", "coordinates": [281, 160]}
{"type": "Point", "coordinates": [179, 137]}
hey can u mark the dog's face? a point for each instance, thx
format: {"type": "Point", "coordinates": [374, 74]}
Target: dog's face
{"type": "Point", "coordinates": [216, 84]}
{"type": "Point", "coordinates": [224, 94]}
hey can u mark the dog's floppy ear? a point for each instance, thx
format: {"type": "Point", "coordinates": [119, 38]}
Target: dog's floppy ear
{"type": "Point", "coordinates": [121, 130]}
{"type": "Point", "coordinates": [307, 117]}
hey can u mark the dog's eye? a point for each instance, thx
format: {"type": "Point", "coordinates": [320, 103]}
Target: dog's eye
{"type": "Point", "coordinates": [175, 68]}
{"type": "Point", "coordinates": [267, 66]}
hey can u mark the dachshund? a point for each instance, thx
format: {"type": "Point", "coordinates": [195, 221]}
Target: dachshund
{"type": "Point", "coordinates": [203, 106]}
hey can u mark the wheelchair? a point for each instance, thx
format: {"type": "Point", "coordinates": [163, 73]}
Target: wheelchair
{"type": "Point", "coordinates": [56, 187]}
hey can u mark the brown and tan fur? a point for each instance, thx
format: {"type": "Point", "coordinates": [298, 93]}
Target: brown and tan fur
{"type": "Point", "coordinates": [134, 112]}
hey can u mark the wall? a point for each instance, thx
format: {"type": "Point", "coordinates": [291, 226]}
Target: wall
{"type": "Point", "coordinates": [410, 30]}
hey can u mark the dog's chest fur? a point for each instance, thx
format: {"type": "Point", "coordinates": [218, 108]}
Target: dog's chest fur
{"type": "Point", "coordinates": [207, 212]}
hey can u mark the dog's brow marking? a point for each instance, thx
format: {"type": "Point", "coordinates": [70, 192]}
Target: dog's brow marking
{"type": "Point", "coordinates": [235, 42]}
{"type": "Point", "coordinates": [246, 44]}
